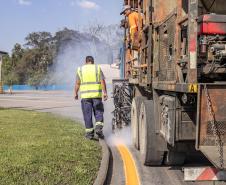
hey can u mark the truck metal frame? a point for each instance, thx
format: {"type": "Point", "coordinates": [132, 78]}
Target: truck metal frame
{"type": "Point", "coordinates": [179, 80]}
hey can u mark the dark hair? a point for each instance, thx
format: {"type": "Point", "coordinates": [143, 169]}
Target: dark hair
{"type": "Point", "coordinates": [89, 59]}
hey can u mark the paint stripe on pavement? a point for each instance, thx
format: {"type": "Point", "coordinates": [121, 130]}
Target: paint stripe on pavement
{"type": "Point", "coordinates": [131, 173]}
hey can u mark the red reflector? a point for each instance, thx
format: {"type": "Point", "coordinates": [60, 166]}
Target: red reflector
{"type": "Point", "coordinates": [211, 28]}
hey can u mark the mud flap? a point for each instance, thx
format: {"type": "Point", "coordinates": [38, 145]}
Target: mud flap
{"type": "Point", "coordinates": [205, 137]}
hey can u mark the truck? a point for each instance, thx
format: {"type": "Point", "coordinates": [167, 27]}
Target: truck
{"type": "Point", "coordinates": [172, 91]}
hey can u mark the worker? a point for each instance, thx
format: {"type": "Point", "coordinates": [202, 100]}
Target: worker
{"type": "Point", "coordinates": [90, 81]}
{"type": "Point", "coordinates": [133, 18]}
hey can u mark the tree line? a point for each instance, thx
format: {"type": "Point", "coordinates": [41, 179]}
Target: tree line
{"type": "Point", "coordinates": [30, 63]}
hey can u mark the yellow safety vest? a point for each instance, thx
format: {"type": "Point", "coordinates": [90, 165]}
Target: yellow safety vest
{"type": "Point", "coordinates": [90, 87]}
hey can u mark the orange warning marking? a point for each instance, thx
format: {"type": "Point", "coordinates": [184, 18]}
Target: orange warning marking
{"type": "Point", "coordinates": [208, 174]}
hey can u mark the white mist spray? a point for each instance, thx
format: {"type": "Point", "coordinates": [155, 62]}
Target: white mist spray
{"type": "Point", "coordinates": [73, 55]}
{"type": "Point", "coordinates": [119, 137]}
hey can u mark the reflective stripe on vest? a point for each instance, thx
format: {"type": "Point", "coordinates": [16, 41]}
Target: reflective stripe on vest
{"type": "Point", "coordinates": [90, 81]}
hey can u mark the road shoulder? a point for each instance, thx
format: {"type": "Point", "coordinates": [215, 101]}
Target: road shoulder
{"type": "Point", "coordinates": [103, 170]}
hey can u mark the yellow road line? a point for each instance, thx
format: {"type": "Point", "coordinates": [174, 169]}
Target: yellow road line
{"type": "Point", "coordinates": [131, 173]}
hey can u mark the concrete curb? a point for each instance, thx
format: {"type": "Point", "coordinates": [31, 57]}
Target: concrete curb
{"type": "Point", "coordinates": [103, 170]}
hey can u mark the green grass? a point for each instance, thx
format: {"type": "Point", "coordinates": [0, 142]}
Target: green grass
{"type": "Point", "coordinates": [40, 148]}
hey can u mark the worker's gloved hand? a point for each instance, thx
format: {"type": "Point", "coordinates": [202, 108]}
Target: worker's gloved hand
{"type": "Point", "coordinates": [76, 96]}
{"type": "Point", "coordinates": [129, 45]}
{"type": "Point", "coordinates": [105, 96]}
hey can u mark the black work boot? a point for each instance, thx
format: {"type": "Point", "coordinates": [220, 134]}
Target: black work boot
{"type": "Point", "coordinates": [99, 131]}
{"type": "Point", "coordinates": [89, 135]}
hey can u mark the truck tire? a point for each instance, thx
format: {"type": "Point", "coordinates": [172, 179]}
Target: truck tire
{"type": "Point", "coordinates": [148, 138]}
{"type": "Point", "coordinates": [135, 112]}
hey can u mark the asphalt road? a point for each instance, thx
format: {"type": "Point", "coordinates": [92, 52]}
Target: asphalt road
{"type": "Point", "coordinates": [58, 102]}
{"type": "Point", "coordinates": [62, 103]}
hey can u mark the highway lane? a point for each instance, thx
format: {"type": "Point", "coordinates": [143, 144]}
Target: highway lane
{"type": "Point", "coordinates": [62, 103]}
{"type": "Point", "coordinates": [58, 102]}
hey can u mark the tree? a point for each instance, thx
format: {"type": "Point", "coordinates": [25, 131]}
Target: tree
{"type": "Point", "coordinates": [32, 63]}
{"type": "Point", "coordinates": [39, 56]}
{"type": "Point", "coordinates": [38, 39]}
{"type": "Point", "coordinates": [36, 79]}
{"type": "Point", "coordinates": [112, 35]}
{"type": "Point", "coordinates": [95, 29]}
{"type": "Point", "coordinates": [8, 71]}
{"type": "Point", "coordinates": [17, 53]}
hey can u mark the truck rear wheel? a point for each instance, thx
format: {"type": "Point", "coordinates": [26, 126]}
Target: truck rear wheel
{"type": "Point", "coordinates": [135, 112]}
{"type": "Point", "coordinates": [148, 138]}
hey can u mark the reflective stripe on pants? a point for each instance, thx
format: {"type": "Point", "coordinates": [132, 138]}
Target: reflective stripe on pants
{"type": "Point", "coordinates": [99, 124]}
{"type": "Point", "coordinates": [89, 130]}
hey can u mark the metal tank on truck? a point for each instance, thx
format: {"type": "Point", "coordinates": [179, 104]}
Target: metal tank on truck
{"type": "Point", "coordinates": [173, 89]}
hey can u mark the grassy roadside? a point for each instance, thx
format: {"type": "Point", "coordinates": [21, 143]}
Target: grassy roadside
{"type": "Point", "coordinates": [40, 148]}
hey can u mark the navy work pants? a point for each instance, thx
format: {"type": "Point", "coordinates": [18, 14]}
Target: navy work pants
{"type": "Point", "coordinates": [93, 106]}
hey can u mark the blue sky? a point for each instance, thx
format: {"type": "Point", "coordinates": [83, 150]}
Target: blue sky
{"type": "Point", "coordinates": [20, 17]}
